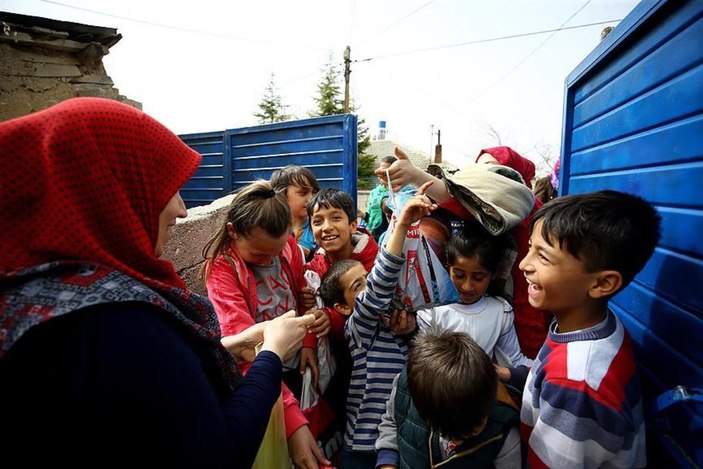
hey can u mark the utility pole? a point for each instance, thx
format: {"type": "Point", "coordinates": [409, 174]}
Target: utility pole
{"type": "Point", "coordinates": [431, 141]}
{"type": "Point", "coordinates": [347, 72]}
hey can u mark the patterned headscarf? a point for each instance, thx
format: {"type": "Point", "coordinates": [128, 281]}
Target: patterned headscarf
{"type": "Point", "coordinates": [509, 157]}
{"type": "Point", "coordinates": [82, 188]}
{"type": "Point", "coordinates": [86, 180]}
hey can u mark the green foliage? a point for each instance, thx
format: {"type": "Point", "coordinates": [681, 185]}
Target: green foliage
{"type": "Point", "coordinates": [272, 109]}
{"type": "Point", "coordinates": [328, 99]}
{"type": "Point", "coordinates": [366, 163]}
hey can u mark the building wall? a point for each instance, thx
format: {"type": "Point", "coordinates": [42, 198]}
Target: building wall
{"type": "Point", "coordinates": [40, 66]}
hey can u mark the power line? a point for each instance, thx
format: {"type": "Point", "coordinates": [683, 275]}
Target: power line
{"type": "Point", "coordinates": [396, 22]}
{"type": "Point", "coordinates": [178, 28]}
{"type": "Point", "coordinates": [493, 39]}
{"type": "Point", "coordinates": [561, 28]}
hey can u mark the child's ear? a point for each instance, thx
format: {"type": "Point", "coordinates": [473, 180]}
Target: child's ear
{"type": "Point", "coordinates": [342, 309]}
{"type": "Point", "coordinates": [352, 226]}
{"type": "Point", "coordinates": [230, 230]}
{"type": "Point", "coordinates": [606, 283]}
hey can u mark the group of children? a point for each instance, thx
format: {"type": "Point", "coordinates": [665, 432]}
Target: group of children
{"type": "Point", "coordinates": [447, 384]}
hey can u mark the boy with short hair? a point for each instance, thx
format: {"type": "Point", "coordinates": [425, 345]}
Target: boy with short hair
{"type": "Point", "coordinates": [377, 353]}
{"type": "Point", "coordinates": [445, 409]}
{"type": "Point", "coordinates": [333, 222]}
{"type": "Point", "coordinates": [582, 404]}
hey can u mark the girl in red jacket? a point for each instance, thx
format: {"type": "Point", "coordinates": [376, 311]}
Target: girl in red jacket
{"type": "Point", "coordinates": [254, 272]}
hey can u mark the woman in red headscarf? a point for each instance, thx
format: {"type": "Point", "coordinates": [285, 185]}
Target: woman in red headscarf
{"type": "Point", "coordinates": [103, 352]}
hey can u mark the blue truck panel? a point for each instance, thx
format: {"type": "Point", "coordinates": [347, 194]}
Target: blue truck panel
{"type": "Point", "coordinates": [633, 121]}
{"type": "Point", "coordinates": [235, 157]}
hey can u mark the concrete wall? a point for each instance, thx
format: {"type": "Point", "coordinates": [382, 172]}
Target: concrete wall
{"type": "Point", "coordinates": [189, 236]}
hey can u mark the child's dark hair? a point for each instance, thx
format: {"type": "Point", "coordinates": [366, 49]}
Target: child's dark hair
{"type": "Point", "coordinates": [293, 175]}
{"type": "Point", "coordinates": [390, 159]}
{"type": "Point", "coordinates": [332, 198]}
{"type": "Point", "coordinates": [256, 205]}
{"type": "Point", "coordinates": [475, 240]}
{"type": "Point", "coordinates": [331, 288]}
{"type": "Point", "coordinates": [606, 230]}
{"type": "Point", "coordinates": [452, 381]}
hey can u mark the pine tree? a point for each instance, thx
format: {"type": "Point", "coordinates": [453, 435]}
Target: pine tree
{"type": "Point", "coordinates": [272, 109]}
{"type": "Point", "coordinates": [330, 102]}
{"type": "Point", "coordinates": [366, 163]}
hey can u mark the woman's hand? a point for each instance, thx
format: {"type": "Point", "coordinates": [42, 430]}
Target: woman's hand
{"type": "Point", "coordinates": [402, 172]}
{"type": "Point", "coordinates": [284, 334]}
{"type": "Point", "coordinates": [242, 346]}
{"type": "Point", "coordinates": [303, 450]}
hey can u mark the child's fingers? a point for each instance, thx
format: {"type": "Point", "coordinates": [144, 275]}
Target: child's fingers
{"type": "Point", "coordinates": [424, 187]}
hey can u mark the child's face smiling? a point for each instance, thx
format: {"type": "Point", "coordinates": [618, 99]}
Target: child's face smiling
{"type": "Point", "coordinates": [557, 281]}
{"type": "Point", "coordinates": [332, 229]}
{"type": "Point", "coordinates": [470, 278]}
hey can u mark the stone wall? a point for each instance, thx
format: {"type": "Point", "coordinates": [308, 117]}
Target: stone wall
{"type": "Point", "coordinates": [44, 62]}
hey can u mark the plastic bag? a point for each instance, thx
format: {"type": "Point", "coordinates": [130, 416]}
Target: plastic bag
{"type": "Point", "coordinates": [315, 408]}
{"type": "Point", "coordinates": [423, 281]}
{"type": "Point", "coordinates": [273, 452]}
{"type": "Point", "coordinates": [325, 361]}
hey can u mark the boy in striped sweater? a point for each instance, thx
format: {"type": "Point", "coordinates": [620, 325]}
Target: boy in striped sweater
{"type": "Point", "coordinates": [582, 404]}
{"type": "Point", "coordinates": [378, 355]}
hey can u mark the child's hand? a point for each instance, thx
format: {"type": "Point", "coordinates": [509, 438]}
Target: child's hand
{"type": "Point", "coordinates": [417, 206]}
{"type": "Point", "coordinates": [401, 322]}
{"type": "Point", "coordinates": [503, 373]}
{"type": "Point", "coordinates": [307, 298]}
{"type": "Point", "coordinates": [321, 326]}
{"type": "Point", "coordinates": [308, 358]}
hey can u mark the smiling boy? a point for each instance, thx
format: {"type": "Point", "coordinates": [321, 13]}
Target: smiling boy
{"type": "Point", "coordinates": [582, 404]}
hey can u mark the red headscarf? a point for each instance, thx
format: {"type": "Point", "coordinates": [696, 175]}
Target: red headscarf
{"type": "Point", "coordinates": [85, 180]}
{"type": "Point", "coordinates": [512, 159]}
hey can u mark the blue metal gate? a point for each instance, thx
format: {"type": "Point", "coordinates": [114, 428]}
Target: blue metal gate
{"type": "Point", "coordinates": [633, 121]}
{"type": "Point", "coordinates": [233, 158]}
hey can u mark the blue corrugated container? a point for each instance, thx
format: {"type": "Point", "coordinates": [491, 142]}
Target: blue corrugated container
{"type": "Point", "coordinates": [633, 121]}
{"type": "Point", "coordinates": [233, 158]}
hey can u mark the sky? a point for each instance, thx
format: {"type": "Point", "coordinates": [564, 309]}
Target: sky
{"type": "Point", "coordinates": [481, 72]}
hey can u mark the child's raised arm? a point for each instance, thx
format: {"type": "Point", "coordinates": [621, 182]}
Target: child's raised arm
{"type": "Point", "coordinates": [416, 207]}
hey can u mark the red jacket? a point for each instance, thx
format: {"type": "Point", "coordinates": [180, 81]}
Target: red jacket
{"type": "Point", "coordinates": [233, 294]}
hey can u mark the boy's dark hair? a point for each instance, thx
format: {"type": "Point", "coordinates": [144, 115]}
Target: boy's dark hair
{"type": "Point", "coordinates": [606, 230]}
{"type": "Point", "coordinates": [475, 240]}
{"type": "Point", "coordinates": [293, 175]}
{"type": "Point", "coordinates": [452, 381]}
{"type": "Point", "coordinates": [331, 288]}
{"type": "Point", "coordinates": [331, 197]}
